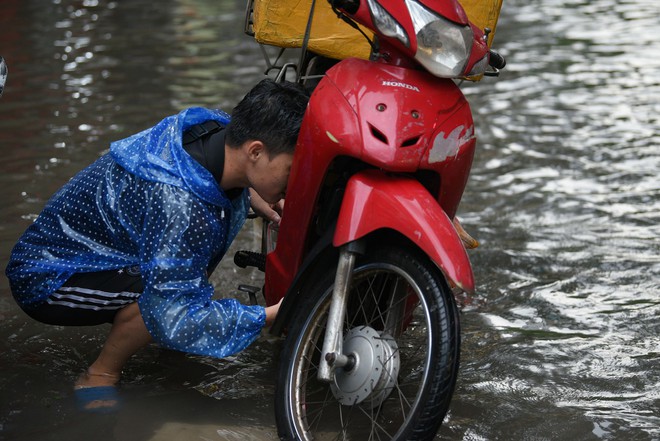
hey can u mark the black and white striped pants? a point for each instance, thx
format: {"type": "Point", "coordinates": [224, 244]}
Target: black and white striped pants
{"type": "Point", "coordinates": [90, 298]}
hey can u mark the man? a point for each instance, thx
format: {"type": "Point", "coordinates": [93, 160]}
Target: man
{"type": "Point", "coordinates": [132, 239]}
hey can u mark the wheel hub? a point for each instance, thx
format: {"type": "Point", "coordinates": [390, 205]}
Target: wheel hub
{"type": "Point", "coordinates": [374, 371]}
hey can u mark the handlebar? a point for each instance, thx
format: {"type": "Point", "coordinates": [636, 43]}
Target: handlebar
{"type": "Point", "coordinates": [496, 60]}
{"type": "Point", "coordinates": [350, 6]}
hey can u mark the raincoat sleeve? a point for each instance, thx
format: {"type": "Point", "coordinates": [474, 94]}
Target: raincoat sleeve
{"type": "Point", "coordinates": [180, 236]}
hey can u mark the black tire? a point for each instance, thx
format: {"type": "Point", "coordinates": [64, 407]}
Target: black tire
{"type": "Point", "coordinates": [397, 297]}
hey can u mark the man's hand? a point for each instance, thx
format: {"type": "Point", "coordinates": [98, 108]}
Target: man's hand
{"type": "Point", "coordinates": [271, 312]}
{"type": "Point", "coordinates": [271, 212]}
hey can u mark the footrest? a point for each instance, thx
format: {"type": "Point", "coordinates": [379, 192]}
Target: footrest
{"type": "Point", "coordinates": [251, 291]}
{"type": "Point", "coordinates": [245, 259]}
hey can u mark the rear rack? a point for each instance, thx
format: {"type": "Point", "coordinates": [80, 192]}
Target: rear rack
{"type": "Point", "coordinates": [310, 67]}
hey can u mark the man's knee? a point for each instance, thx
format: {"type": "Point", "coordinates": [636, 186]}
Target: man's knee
{"type": "Point", "coordinates": [128, 314]}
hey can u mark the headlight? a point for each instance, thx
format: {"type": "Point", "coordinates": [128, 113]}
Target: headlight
{"type": "Point", "coordinates": [386, 24]}
{"type": "Point", "coordinates": [443, 47]}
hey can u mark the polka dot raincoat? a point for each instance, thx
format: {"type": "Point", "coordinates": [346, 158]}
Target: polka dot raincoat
{"type": "Point", "coordinates": [146, 203]}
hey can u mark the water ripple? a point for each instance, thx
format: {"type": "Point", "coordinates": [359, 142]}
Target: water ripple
{"type": "Point", "coordinates": [565, 198]}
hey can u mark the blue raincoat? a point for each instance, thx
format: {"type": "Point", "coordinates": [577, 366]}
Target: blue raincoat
{"type": "Point", "coordinates": [147, 203]}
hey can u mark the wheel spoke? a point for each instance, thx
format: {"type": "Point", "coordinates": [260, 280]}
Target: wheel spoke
{"type": "Point", "coordinates": [397, 386]}
{"type": "Point", "coordinates": [344, 425]}
{"type": "Point", "coordinates": [352, 319]}
{"type": "Point", "coordinates": [318, 413]}
{"type": "Point", "coordinates": [371, 290]}
{"type": "Point", "coordinates": [374, 434]}
{"type": "Point", "coordinates": [374, 424]}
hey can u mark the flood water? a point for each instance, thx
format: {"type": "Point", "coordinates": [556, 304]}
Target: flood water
{"type": "Point", "coordinates": [562, 341]}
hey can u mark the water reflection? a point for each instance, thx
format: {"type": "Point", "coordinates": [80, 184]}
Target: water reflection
{"type": "Point", "coordinates": [568, 176]}
{"type": "Point", "coordinates": [84, 73]}
{"type": "Point", "coordinates": [564, 197]}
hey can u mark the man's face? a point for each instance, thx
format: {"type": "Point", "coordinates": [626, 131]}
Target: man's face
{"type": "Point", "coordinates": [269, 176]}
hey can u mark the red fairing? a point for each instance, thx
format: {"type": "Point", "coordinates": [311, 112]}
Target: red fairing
{"type": "Point", "coordinates": [449, 9]}
{"type": "Point", "coordinates": [374, 201]}
{"type": "Point", "coordinates": [398, 111]}
{"type": "Point", "coordinates": [390, 118]}
{"type": "Point", "coordinates": [400, 54]}
{"type": "Point", "coordinates": [327, 119]}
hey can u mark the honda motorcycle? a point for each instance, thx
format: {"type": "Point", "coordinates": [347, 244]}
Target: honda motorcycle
{"type": "Point", "coordinates": [368, 255]}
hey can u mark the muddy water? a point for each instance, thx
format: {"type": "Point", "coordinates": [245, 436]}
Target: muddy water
{"type": "Point", "coordinates": [562, 342]}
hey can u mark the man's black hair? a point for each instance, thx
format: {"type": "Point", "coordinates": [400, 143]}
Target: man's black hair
{"type": "Point", "coordinates": [271, 113]}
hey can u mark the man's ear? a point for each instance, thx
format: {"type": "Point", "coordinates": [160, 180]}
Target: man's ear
{"type": "Point", "coordinates": [255, 149]}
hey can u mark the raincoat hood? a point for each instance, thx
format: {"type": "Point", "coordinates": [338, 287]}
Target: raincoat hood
{"type": "Point", "coordinates": [157, 155]}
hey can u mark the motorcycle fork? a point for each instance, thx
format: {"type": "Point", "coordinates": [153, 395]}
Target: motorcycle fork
{"type": "Point", "coordinates": [332, 353]}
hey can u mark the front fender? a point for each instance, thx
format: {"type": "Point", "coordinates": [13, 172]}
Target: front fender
{"type": "Point", "coordinates": [374, 200]}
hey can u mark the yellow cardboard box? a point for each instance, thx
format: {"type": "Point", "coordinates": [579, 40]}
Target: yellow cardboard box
{"type": "Point", "coordinates": [283, 23]}
{"type": "Point", "coordinates": [484, 14]}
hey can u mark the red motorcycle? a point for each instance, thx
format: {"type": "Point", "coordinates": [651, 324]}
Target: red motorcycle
{"type": "Point", "coordinates": [368, 257]}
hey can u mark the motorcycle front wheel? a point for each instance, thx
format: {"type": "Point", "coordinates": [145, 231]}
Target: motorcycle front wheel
{"type": "Point", "coordinates": [402, 335]}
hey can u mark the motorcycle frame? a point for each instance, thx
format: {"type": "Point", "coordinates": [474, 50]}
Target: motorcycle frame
{"type": "Point", "coordinates": [398, 143]}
